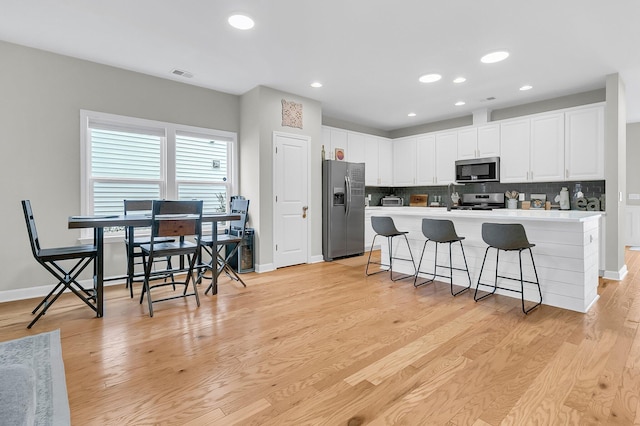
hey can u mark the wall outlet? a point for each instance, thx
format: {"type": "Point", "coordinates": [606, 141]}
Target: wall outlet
{"type": "Point", "coordinates": [521, 196]}
{"type": "Point", "coordinates": [369, 197]}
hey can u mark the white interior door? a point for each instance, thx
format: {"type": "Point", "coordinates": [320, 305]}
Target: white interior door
{"type": "Point", "coordinates": [291, 176]}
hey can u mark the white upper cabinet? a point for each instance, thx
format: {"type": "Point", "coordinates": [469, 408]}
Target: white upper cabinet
{"type": "Point", "coordinates": [488, 140]}
{"type": "Point", "coordinates": [468, 143]}
{"type": "Point", "coordinates": [385, 170]}
{"type": "Point", "coordinates": [547, 148]}
{"type": "Point", "coordinates": [532, 149]}
{"type": "Point", "coordinates": [446, 154]}
{"type": "Point", "coordinates": [338, 140]}
{"type": "Point", "coordinates": [584, 144]}
{"type": "Point", "coordinates": [378, 154]}
{"type": "Point", "coordinates": [356, 148]}
{"type": "Point", "coordinates": [479, 142]}
{"type": "Point", "coordinates": [371, 160]}
{"type": "Point", "coordinates": [514, 150]}
{"type": "Point", "coordinates": [404, 161]}
{"type": "Point", "coordinates": [426, 160]}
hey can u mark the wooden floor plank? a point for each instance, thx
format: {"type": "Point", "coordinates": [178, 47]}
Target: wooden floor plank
{"type": "Point", "coordinates": [325, 344]}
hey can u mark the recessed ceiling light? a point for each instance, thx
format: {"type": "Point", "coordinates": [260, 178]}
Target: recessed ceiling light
{"type": "Point", "coordinates": [494, 57]}
{"type": "Point", "coordinates": [526, 87]}
{"type": "Point", "coordinates": [459, 80]}
{"type": "Point", "coordinates": [412, 114]}
{"type": "Point", "coordinates": [430, 78]}
{"type": "Point", "coordinates": [460, 103]}
{"type": "Point", "coordinates": [316, 84]}
{"type": "Point", "coordinates": [241, 22]}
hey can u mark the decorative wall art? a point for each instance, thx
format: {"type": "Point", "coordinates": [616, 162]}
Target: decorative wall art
{"type": "Point", "coordinates": [291, 114]}
{"type": "Point", "coordinates": [339, 154]}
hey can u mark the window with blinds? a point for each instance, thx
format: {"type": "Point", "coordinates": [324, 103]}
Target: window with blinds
{"type": "Point", "coordinates": [129, 158]}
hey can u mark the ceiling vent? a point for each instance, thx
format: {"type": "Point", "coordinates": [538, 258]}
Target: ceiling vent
{"type": "Point", "coordinates": [181, 73]}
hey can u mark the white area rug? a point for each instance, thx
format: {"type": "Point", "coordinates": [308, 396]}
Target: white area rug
{"type": "Point", "coordinates": [43, 354]}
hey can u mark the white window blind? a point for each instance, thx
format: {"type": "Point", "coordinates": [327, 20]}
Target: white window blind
{"type": "Point", "coordinates": [124, 165]}
{"type": "Point", "coordinates": [202, 171]}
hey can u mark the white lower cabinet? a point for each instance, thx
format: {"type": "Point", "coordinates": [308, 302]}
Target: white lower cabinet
{"type": "Point", "coordinates": [369, 233]}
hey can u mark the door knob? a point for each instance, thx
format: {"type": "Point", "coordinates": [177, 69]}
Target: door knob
{"type": "Point", "coordinates": [304, 211]}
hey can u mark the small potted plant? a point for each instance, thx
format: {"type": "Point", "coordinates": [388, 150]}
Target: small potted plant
{"type": "Point", "coordinates": [512, 199]}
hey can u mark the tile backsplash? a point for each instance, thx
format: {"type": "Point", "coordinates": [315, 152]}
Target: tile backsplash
{"type": "Point", "coordinates": [589, 189]}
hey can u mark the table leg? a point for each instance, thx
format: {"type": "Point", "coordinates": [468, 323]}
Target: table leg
{"type": "Point", "coordinates": [98, 278]}
{"type": "Point", "coordinates": [214, 259]}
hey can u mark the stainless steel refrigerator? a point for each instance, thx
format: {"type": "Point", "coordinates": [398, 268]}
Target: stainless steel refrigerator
{"type": "Point", "coordinates": [342, 209]}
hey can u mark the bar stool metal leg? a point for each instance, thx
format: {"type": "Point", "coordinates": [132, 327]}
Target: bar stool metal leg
{"type": "Point", "coordinates": [384, 226]}
{"type": "Point", "coordinates": [508, 237]}
{"type": "Point", "coordinates": [442, 231]}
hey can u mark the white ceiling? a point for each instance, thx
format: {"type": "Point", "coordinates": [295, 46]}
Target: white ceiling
{"type": "Point", "coordinates": [367, 53]}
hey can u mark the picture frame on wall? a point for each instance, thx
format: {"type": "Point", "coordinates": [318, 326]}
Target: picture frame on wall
{"type": "Point", "coordinates": [340, 154]}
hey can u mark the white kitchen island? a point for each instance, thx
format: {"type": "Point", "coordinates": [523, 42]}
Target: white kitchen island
{"type": "Point", "coordinates": [566, 252]}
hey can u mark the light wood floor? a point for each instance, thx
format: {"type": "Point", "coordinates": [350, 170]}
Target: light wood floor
{"type": "Point", "coordinates": [323, 344]}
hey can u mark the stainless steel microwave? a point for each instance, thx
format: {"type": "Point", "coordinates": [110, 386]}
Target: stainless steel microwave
{"type": "Point", "coordinates": [478, 170]}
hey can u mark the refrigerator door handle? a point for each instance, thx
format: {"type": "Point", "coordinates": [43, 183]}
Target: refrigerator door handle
{"type": "Point", "coordinates": [347, 182]}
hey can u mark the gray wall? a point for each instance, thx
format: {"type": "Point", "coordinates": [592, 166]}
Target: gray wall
{"type": "Point", "coordinates": [41, 97]}
{"type": "Point", "coordinates": [633, 155]}
{"type": "Point", "coordinates": [568, 101]}
{"type": "Point", "coordinates": [261, 115]}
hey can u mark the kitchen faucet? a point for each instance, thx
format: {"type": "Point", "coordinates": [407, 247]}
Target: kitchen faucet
{"type": "Point", "coordinates": [449, 188]}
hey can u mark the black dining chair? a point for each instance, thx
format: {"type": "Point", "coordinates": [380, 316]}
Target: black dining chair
{"type": "Point", "coordinates": [132, 243]}
{"type": "Point", "coordinates": [176, 219]}
{"type": "Point", "coordinates": [51, 259]}
{"type": "Point", "coordinates": [230, 242]}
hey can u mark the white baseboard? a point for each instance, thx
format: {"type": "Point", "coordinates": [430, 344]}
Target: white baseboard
{"type": "Point", "coordinates": [41, 291]}
{"type": "Point", "coordinates": [267, 267]}
{"type": "Point", "coordinates": [616, 275]}
{"type": "Point", "coordinates": [316, 259]}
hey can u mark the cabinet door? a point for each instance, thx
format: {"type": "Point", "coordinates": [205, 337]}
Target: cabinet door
{"type": "Point", "coordinates": [426, 160]}
{"type": "Point", "coordinates": [584, 144]}
{"type": "Point", "coordinates": [371, 158]}
{"type": "Point", "coordinates": [338, 140]}
{"type": "Point", "coordinates": [488, 141]}
{"type": "Point", "coordinates": [514, 151]}
{"type": "Point", "coordinates": [446, 155]}
{"type": "Point", "coordinates": [467, 144]}
{"type": "Point", "coordinates": [355, 149]}
{"type": "Point", "coordinates": [385, 164]}
{"type": "Point", "coordinates": [326, 141]}
{"type": "Point", "coordinates": [547, 148]}
{"type": "Point", "coordinates": [404, 161]}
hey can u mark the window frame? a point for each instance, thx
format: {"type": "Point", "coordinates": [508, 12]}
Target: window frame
{"type": "Point", "coordinates": [168, 179]}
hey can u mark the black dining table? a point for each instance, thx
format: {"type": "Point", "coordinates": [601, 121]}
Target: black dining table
{"type": "Point", "coordinates": [99, 222]}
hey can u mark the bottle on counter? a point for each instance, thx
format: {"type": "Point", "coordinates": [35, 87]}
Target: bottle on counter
{"type": "Point", "coordinates": [564, 199]}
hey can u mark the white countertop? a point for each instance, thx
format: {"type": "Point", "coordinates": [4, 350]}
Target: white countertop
{"type": "Point", "coordinates": [533, 215]}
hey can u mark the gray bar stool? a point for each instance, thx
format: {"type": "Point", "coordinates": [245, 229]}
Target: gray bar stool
{"type": "Point", "coordinates": [384, 226]}
{"type": "Point", "coordinates": [441, 231]}
{"type": "Point", "coordinates": [507, 237]}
